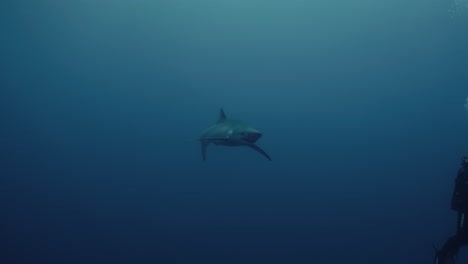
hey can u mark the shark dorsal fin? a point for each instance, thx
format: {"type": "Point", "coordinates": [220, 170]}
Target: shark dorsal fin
{"type": "Point", "coordinates": [222, 116]}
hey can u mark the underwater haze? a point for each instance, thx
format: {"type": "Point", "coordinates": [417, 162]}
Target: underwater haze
{"type": "Point", "coordinates": [102, 103]}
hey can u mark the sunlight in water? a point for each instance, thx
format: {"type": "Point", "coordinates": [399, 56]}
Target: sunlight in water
{"type": "Point", "coordinates": [466, 104]}
{"type": "Point", "coordinates": [458, 8]}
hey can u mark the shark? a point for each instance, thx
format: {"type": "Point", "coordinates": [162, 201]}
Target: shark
{"type": "Point", "coordinates": [231, 132]}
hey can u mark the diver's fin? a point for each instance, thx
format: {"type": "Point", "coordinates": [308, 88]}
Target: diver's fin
{"type": "Point", "coordinates": [222, 116]}
{"type": "Point", "coordinates": [258, 149]}
{"type": "Point", "coordinates": [204, 144]}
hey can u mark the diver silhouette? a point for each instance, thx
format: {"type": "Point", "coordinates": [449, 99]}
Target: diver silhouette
{"type": "Point", "coordinates": [447, 254]}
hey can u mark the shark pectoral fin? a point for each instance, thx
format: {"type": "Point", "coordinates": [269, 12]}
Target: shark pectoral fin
{"type": "Point", "coordinates": [258, 149]}
{"type": "Point", "coordinates": [204, 144]}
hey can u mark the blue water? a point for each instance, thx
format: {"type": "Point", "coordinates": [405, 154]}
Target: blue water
{"type": "Point", "coordinates": [360, 103]}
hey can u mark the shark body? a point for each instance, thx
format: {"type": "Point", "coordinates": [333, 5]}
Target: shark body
{"type": "Point", "coordinates": [230, 132]}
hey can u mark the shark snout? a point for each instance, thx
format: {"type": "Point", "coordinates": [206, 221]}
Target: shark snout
{"type": "Point", "coordinates": [251, 137]}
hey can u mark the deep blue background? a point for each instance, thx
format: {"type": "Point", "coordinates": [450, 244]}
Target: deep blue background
{"type": "Point", "coordinates": [101, 103]}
